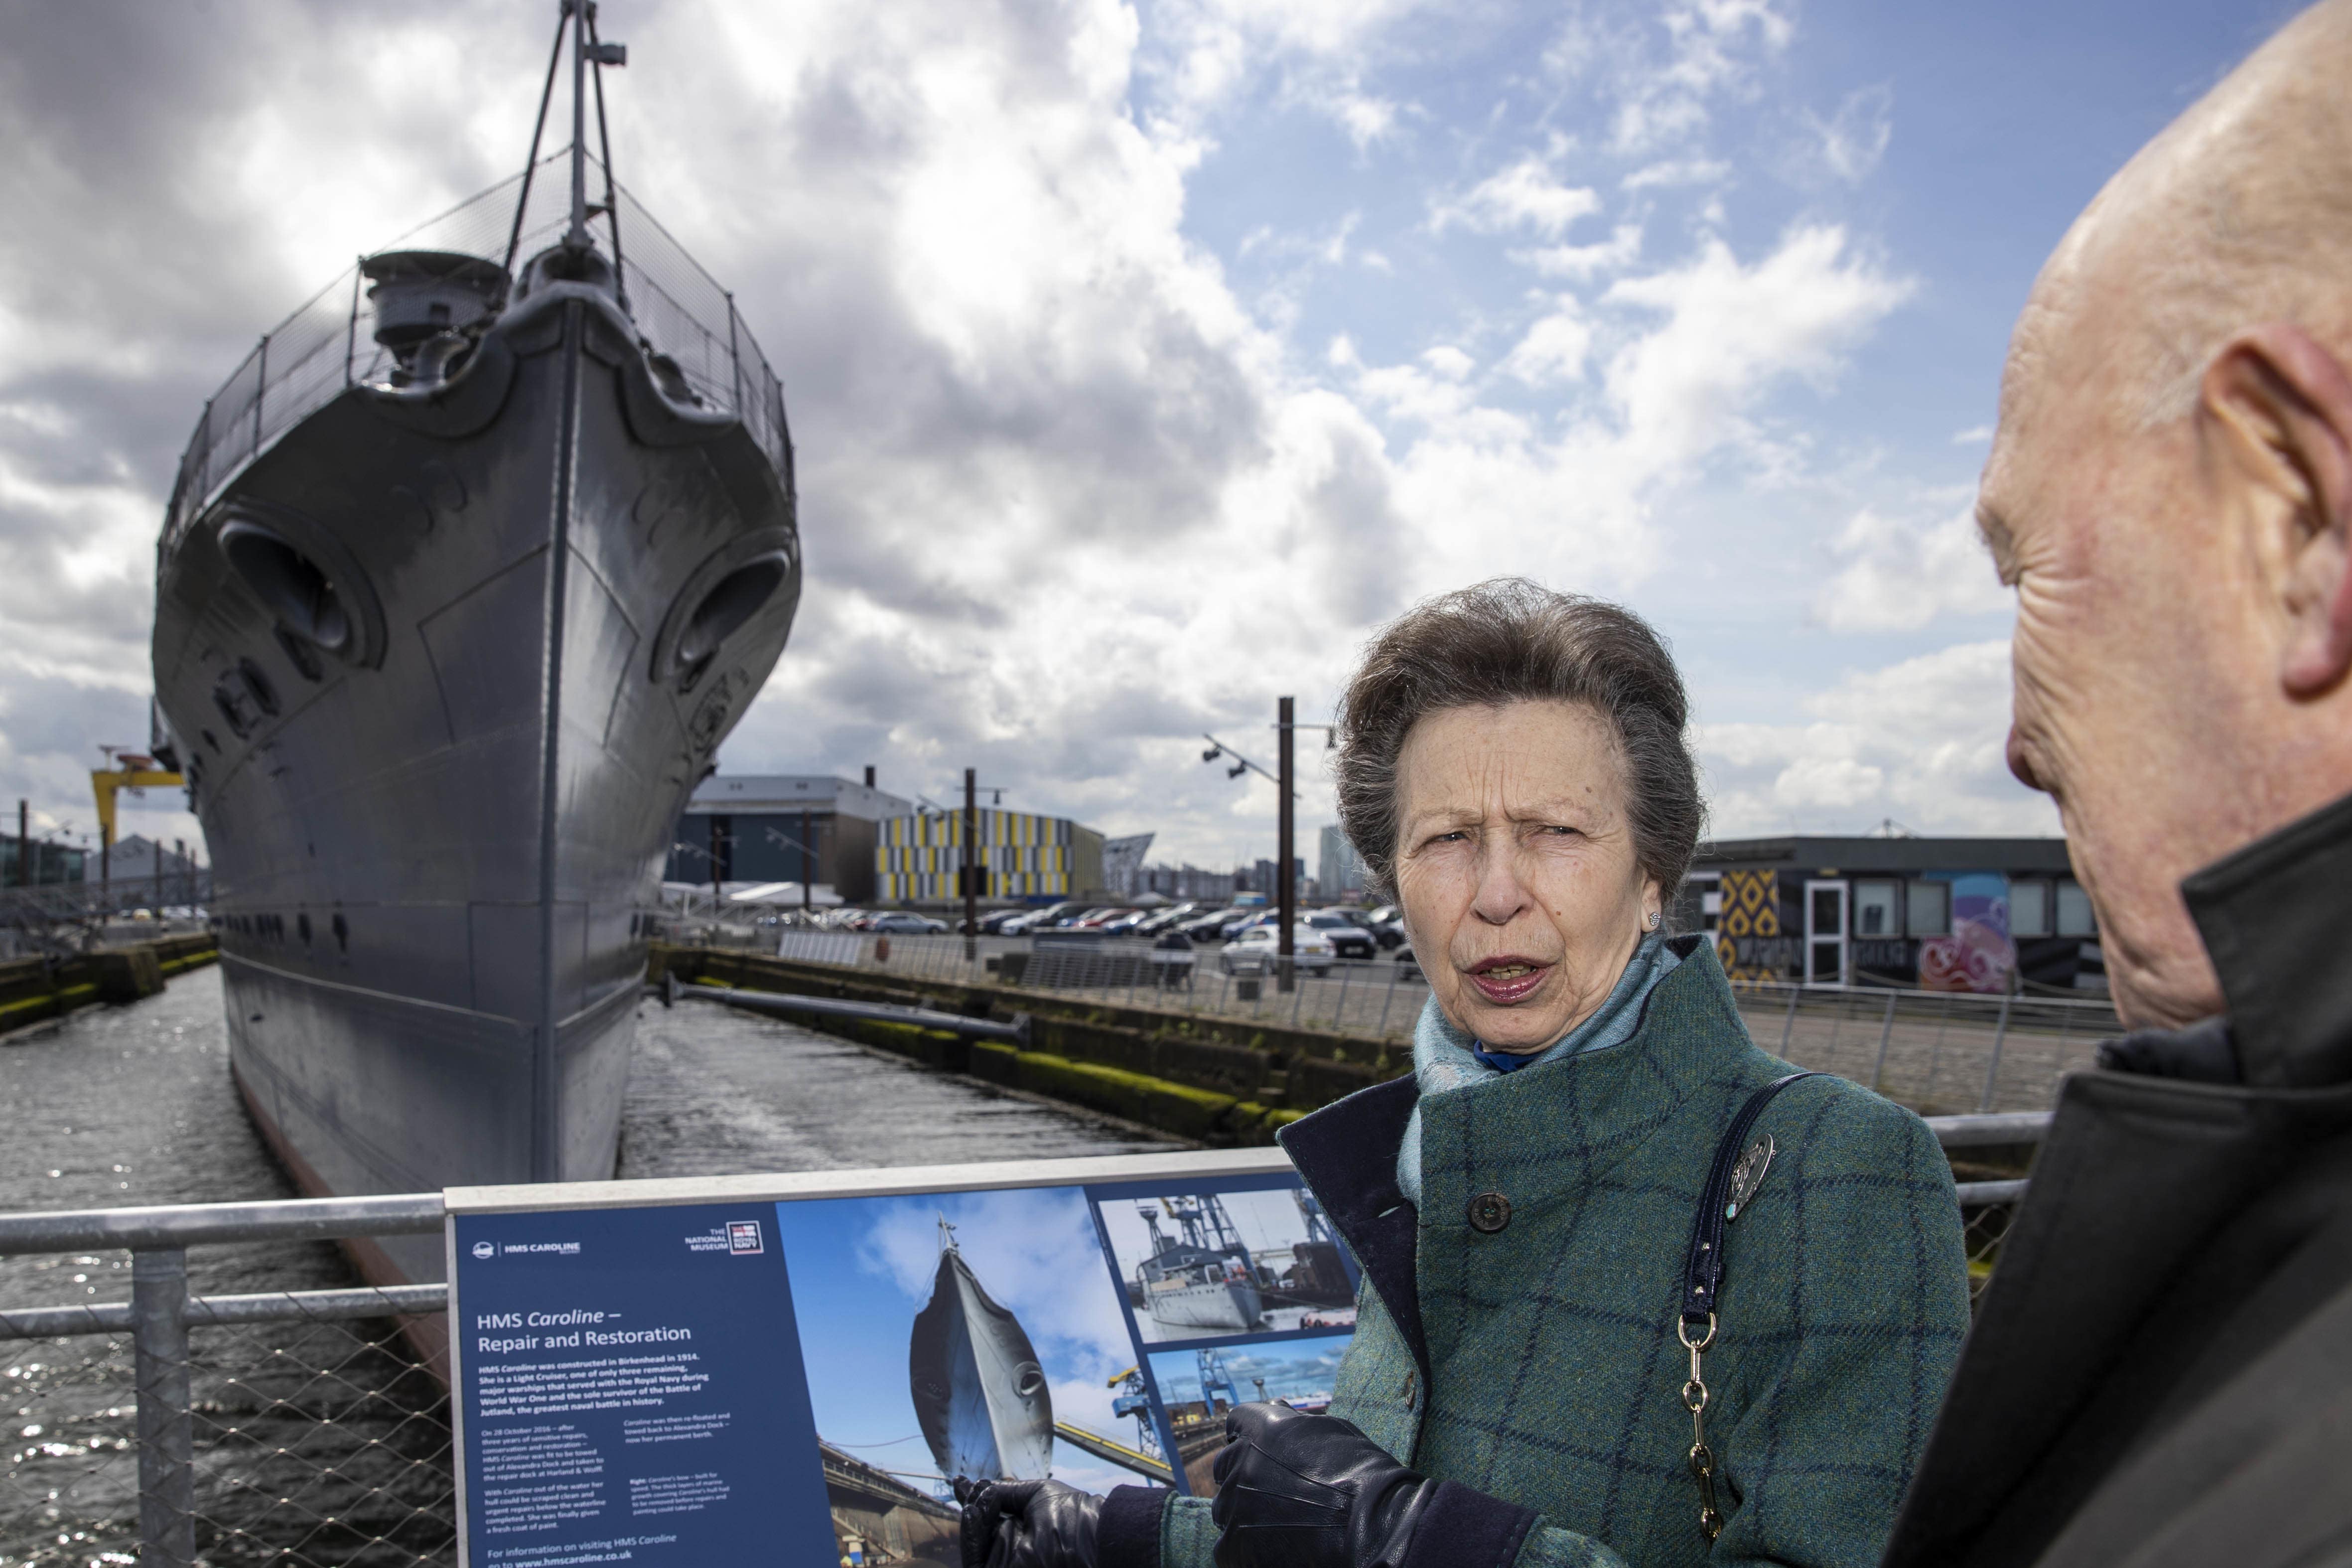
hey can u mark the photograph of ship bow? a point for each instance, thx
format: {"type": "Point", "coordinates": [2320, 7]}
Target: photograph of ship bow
{"type": "Point", "coordinates": [468, 572]}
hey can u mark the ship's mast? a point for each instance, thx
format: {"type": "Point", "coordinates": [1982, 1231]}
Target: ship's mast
{"type": "Point", "coordinates": [576, 236]}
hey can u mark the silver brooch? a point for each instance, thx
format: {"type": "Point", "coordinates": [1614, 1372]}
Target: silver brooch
{"type": "Point", "coordinates": [1749, 1174]}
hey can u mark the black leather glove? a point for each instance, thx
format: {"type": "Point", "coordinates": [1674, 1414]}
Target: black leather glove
{"type": "Point", "coordinates": [1029, 1525]}
{"type": "Point", "coordinates": [1310, 1491]}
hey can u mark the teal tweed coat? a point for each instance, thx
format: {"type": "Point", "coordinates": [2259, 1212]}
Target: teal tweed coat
{"type": "Point", "coordinates": [1538, 1363]}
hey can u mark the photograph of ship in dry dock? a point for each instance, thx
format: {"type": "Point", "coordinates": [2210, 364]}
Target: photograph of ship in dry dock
{"type": "Point", "coordinates": [958, 1336]}
{"type": "Point", "coordinates": [1211, 1264]}
{"type": "Point", "coordinates": [1199, 1386]}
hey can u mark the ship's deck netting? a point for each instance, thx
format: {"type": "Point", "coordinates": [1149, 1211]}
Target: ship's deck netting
{"type": "Point", "coordinates": [328, 343]}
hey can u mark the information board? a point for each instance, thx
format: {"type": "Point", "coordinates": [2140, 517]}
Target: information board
{"type": "Point", "coordinates": [794, 1370]}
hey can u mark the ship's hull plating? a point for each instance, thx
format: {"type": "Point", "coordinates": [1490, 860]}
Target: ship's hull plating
{"type": "Point", "coordinates": [432, 845]}
{"type": "Point", "coordinates": [1220, 1304]}
{"type": "Point", "coordinates": [980, 1396]}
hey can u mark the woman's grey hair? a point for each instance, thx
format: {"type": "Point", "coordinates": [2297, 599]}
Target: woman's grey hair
{"type": "Point", "coordinates": [1511, 640]}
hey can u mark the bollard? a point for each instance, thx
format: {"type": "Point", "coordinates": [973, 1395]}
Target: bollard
{"type": "Point", "coordinates": [167, 1482]}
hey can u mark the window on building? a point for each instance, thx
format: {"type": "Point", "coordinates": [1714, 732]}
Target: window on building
{"type": "Point", "coordinates": [1876, 911]}
{"type": "Point", "coordinates": [2074, 916]}
{"type": "Point", "coordinates": [2029, 909]}
{"type": "Point", "coordinates": [1927, 909]}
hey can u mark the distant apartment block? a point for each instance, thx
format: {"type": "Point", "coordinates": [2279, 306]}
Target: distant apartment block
{"type": "Point", "coordinates": [917, 857]}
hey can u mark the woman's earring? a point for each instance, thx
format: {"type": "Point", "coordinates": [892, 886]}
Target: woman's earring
{"type": "Point", "coordinates": [1654, 917]}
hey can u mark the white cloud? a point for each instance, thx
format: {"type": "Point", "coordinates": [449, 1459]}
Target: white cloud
{"type": "Point", "coordinates": [1620, 251]}
{"type": "Point", "coordinates": [1854, 139]}
{"type": "Point", "coordinates": [1901, 574]}
{"type": "Point", "coordinates": [1974, 435]}
{"type": "Point", "coordinates": [1678, 172]}
{"type": "Point", "coordinates": [1554, 349]}
{"type": "Point", "coordinates": [1921, 740]}
{"type": "Point", "coordinates": [1525, 196]}
{"type": "Point", "coordinates": [1732, 328]}
{"type": "Point", "coordinates": [1712, 49]}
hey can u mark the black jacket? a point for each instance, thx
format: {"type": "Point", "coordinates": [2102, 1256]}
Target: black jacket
{"type": "Point", "coordinates": [2161, 1370]}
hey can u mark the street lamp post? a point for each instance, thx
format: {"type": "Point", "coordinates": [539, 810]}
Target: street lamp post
{"type": "Point", "coordinates": [970, 866]}
{"type": "Point", "coordinates": [1286, 877]}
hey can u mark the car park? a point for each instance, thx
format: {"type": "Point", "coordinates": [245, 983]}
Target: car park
{"type": "Point", "coordinates": [1254, 951]}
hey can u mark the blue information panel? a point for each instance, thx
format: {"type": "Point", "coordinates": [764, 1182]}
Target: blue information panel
{"type": "Point", "coordinates": [800, 1372]}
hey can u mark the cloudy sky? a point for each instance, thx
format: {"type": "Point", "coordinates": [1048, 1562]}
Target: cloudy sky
{"type": "Point", "coordinates": [1143, 358]}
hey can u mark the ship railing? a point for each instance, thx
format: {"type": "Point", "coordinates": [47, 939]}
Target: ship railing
{"type": "Point", "coordinates": [328, 345]}
{"type": "Point", "coordinates": [301, 1424]}
{"type": "Point", "coordinates": [1937, 1051]}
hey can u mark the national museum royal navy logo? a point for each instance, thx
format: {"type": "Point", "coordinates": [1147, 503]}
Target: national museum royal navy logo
{"type": "Point", "coordinates": [743, 1237]}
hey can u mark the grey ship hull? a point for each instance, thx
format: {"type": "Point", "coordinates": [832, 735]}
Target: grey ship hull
{"type": "Point", "coordinates": [432, 847]}
{"type": "Point", "coordinates": [980, 1396]}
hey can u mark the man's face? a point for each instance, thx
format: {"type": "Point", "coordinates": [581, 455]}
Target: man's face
{"type": "Point", "coordinates": [2135, 690]}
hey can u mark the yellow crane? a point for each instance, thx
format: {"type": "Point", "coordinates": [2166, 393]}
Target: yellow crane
{"type": "Point", "coordinates": [131, 770]}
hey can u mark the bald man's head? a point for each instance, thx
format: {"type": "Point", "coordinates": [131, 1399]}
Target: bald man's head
{"type": "Point", "coordinates": [2238, 212]}
{"type": "Point", "coordinates": [2170, 491]}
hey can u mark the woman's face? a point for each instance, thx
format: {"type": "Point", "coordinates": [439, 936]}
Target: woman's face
{"type": "Point", "coordinates": [1515, 871]}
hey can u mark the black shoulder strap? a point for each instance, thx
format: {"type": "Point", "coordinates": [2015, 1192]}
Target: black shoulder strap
{"type": "Point", "coordinates": [1703, 1272]}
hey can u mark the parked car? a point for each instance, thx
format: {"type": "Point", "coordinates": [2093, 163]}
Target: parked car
{"type": "Point", "coordinates": [1387, 925]}
{"type": "Point", "coordinates": [1238, 920]}
{"type": "Point", "coordinates": [1201, 927]}
{"type": "Point", "coordinates": [1254, 949]}
{"type": "Point", "coordinates": [1348, 938]}
{"type": "Point", "coordinates": [900, 922]}
{"type": "Point", "coordinates": [994, 922]}
{"type": "Point", "coordinates": [1045, 919]}
{"type": "Point", "coordinates": [1103, 917]}
{"type": "Point", "coordinates": [1158, 921]}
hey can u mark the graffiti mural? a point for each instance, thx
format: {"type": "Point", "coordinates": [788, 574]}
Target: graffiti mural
{"type": "Point", "coordinates": [1978, 955]}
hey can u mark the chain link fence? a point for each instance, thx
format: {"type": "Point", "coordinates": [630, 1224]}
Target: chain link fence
{"type": "Point", "coordinates": [299, 1428]}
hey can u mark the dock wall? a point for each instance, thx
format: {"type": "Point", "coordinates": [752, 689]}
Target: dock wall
{"type": "Point", "coordinates": [34, 990]}
{"type": "Point", "coordinates": [1213, 1081]}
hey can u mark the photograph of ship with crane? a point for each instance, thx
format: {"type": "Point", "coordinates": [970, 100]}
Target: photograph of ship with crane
{"type": "Point", "coordinates": [1202, 1265]}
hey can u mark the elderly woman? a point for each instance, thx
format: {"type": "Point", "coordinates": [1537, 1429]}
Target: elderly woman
{"type": "Point", "coordinates": [1632, 1294]}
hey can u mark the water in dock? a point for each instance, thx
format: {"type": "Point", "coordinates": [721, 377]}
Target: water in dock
{"type": "Point", "coordinates": [342, 1446]}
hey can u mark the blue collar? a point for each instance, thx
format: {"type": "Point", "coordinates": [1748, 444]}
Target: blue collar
{"type": "Point", "coordinates": [1504, 1061]}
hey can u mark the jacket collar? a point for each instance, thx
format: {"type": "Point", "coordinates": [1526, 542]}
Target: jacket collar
{"type": "Point", "coordinates": [1348, 1154]}
{"type": "Point", "coordinates": [2273, 919]}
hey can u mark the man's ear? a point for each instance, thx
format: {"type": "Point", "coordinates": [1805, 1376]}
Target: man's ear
{"type": "Point", "coordinates": [2280, 407]}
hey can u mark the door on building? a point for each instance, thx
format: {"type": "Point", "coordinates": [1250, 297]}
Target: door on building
{"type": "Point", "coordinates": [1827, 949]}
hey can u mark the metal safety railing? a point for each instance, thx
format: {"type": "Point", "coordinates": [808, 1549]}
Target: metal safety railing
{"type": "Point", "coordinates": [328, 345]}
{"type": "Point", "coordinates": [1939, 1052]}
{"type": "Point", "coordinates": [297, 1427]}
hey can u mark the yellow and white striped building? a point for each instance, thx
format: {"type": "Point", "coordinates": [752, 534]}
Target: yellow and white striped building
{"type": "Point", "coordinates": [1025, 855]}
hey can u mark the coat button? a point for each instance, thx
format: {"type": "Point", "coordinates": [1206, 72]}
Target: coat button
{"type": "Point", "coordinates": [1489, 1212]}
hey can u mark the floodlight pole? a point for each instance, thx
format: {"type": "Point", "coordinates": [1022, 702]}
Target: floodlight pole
{"type": "Point", "coordinates": [1286, 881]}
